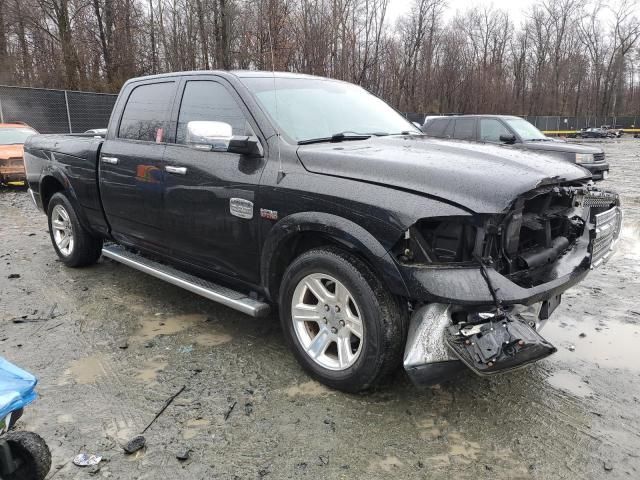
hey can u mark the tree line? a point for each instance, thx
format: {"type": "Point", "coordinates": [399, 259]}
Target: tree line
{"type": "Point", "coordinates": [563, 57]}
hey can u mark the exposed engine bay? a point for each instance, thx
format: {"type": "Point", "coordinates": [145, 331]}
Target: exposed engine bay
{"type": "Point", "coordinates": [546, 236]}
{"type": "Point", "coordinates": [526, 243]}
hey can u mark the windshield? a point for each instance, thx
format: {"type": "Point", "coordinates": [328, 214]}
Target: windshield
{"type": "Point", "coordinates": [11, 136]}
{"type": "Point", "coordinates": [309, 108]}
{"type": "Point", "coordinates": [525, 130]}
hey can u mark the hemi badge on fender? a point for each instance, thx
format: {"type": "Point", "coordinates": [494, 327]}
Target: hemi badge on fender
{"type": "Point", "coordinates": [241, 208]}
{"type": "Point", "coordinates": [269, 214]}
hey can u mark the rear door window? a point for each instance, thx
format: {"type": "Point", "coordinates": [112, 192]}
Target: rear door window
{"type": "Point", "coordinates": [491, 130]}
{"type": "Point", "coordinates": [465, 129]}
{"type": "Point", "coordinates": [436, 127]}
{"type": "Point", "coordinates": [146, 115]}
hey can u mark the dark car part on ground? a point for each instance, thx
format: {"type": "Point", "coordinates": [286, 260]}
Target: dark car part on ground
{"type": "Point", "coordinates": [252, 206]}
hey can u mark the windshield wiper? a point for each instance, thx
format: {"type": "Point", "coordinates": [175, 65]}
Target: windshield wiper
{"type": "Point", "coordinates": [337, 137]}
{"type": "Point", "coordinates": [537, 140]}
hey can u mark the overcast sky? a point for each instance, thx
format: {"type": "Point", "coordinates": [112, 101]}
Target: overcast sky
{"type": "Point", "coordinates": [514, 7]}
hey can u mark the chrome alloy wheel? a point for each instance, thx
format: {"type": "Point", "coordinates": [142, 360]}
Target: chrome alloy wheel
{"type": "Point", "coordinates": [327, 321]}
{"type": "Point", "coordinates": [62, 230]}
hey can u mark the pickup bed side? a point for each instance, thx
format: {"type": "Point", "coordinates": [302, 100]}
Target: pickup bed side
{"type": "Point", "coordinates": [68, 163]}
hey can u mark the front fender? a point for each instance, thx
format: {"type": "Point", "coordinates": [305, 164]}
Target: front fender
{"type": "Point", "coordinates": [351, 235]}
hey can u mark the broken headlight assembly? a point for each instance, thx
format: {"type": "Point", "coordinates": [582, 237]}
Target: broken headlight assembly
{"type": "Point", "coordinates": [438, 241]}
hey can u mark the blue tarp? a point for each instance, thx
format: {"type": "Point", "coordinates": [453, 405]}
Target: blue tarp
{"type": "Point", "coordinates": [16, 388]}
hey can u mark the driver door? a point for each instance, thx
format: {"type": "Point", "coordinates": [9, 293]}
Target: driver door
{"type": "Point", "coordinates": [209, 193]}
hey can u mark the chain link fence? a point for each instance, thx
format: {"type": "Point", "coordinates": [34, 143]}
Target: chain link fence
{"type": "Point", "coordinates": [55, 111]}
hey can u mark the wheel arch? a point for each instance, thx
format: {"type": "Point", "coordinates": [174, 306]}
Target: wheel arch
{"type": "Point", "coordinates": [54, 181]}
{"type": "Point", "coordinates": [300, 232]}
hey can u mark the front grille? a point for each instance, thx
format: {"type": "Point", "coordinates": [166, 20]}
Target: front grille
{"type": "Point", "coordinates": [598, 199]}
{"type": "Point", "coordinates": [608, 225]}
{"type": "Point", "coordinates": [598, 157]}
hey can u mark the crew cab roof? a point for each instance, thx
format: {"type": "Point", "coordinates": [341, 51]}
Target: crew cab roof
{"type": "Point", "coordinates": [232, 73]}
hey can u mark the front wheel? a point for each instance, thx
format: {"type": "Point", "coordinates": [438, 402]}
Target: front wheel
{"type": "Point", "coordinates": [75, 246]}
{"type": "Point", "coordinates": [344, 326]}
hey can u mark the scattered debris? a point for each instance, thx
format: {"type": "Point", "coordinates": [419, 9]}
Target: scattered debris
{"type": "Point", "coordinates": [166, 404]}
{"type": "Point", "coordinates": [13, 275]}
{"type": "Point", "coordinates": [607, 466]}
{"type": "Point", "coordinates": [86, 460]}
{"type": "Point", "coordinates": [135, 444]}
{"type": "Point", "coordinates": [123, 345]}
{"type": "Point", "coordinates": [571, 348]}
{"type": "Point", "coordinates": [183, 454]}
{"type": "Point", "coordinates": [229, 410]}
{"type": "Point", "coordinates": [322, 460]}
{"type": "Point", "coordinates": [248, 408]}
{"type": "Point", "coordinates": [34, 317]}
{"type": "Point", "coordinates": [582, 335]}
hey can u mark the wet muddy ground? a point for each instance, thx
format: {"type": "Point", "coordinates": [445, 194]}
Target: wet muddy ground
{"type": "Point", "coordinates": [110, 345]}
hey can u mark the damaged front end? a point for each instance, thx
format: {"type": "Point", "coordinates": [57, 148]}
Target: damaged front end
{"type": "Point", "coordinates": [482, 285]}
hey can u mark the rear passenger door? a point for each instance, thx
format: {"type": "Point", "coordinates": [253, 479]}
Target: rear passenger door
{"type": "Point", "coordinates": [465, 129]}
{"type": "Point", "coordinates": [210, 196]}
{"type": "Point", "coordinates": [130, 165]}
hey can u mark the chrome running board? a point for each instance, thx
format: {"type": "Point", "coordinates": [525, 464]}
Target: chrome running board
{"type": "Point", "coordinates": [225, 296]}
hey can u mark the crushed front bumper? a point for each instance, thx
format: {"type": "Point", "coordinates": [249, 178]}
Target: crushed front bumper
{"type": "Point", "coordinates": [12, 170]}
{"type": "Point", "coordinates": [437, 348]}
{"type": "Point", "coordinates": [452, 293]}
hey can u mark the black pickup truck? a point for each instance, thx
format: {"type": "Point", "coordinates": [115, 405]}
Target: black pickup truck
{"type": "Point", "coordinates": [379, 246]}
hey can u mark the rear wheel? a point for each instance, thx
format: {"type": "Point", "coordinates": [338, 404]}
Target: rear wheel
{"type": "Point", "coordinates": [343, 325]}
{"type": "Point", "coordinates": [30, 454]}
{"type": "Point", "coordinates": [75, 246]}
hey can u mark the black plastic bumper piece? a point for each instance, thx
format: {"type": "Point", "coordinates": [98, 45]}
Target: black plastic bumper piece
{"type": "Point", "coordinates": [500, 345]}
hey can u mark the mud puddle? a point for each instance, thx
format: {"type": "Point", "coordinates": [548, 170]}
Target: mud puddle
{"type": "Point", "coordinates": [606, 343]}
{"type": "Point", "coordinates": [571, 383]}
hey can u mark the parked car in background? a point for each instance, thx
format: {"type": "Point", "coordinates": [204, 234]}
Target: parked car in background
{"type": "Point", "coordinates": [99, 132]}
{"type": "Point", "coordinates": [613, 131]}
{"type": "Point", "coordinates": [12, 138]}
{"type": "Point", "coordinates": [592, 133]}
{"type": "Point", "coordinates": [517, 133]}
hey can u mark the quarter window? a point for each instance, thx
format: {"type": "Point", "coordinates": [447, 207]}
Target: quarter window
{"type": "Point", "coordinates": [205, 100]}
{"type": "Point", "coordinates": [436, 127]}
{"type": "Point", "coordinates": [491, 129]}
{"type": "Point", "coordinates": [146, 115]}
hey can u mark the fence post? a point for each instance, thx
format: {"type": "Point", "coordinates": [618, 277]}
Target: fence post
{"type": "Point", "coordinates": [1, 114]}
{"type": "Point", "coordinates": [66, 102]}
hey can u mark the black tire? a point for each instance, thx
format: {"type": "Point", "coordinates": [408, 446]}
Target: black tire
{"type": "Point", "coordinates": [86, 248]}
{"type": "Point", "coordinates": [32, 454]}
{"type": "Point", "coordinates": [385, 319]}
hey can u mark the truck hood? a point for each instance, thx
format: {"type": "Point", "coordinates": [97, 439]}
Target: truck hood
{"type": "Point", "coordinates": [562, 146]}
{"type": "Point", "coordinates": [479, 178]}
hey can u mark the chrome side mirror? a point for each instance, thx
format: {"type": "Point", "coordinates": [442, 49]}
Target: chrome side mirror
{"type": "Point", "coordinates": [206, 135]}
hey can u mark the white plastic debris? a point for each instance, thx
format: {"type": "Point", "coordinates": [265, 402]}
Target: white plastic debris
{"type": "Point", "coordinates": [86, 460]}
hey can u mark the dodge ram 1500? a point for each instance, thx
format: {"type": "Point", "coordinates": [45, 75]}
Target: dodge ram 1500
{"type": "Point", "coordinates": [379, 246]}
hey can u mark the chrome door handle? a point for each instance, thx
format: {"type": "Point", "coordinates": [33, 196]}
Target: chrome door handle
{"type": "Point", "coordinates": [177, 170]}
{"type": "Point", "coordinates": [111, 160]}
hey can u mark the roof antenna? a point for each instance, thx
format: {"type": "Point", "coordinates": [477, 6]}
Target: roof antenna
{"type": "Point", "coordinates": [281, 173]}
